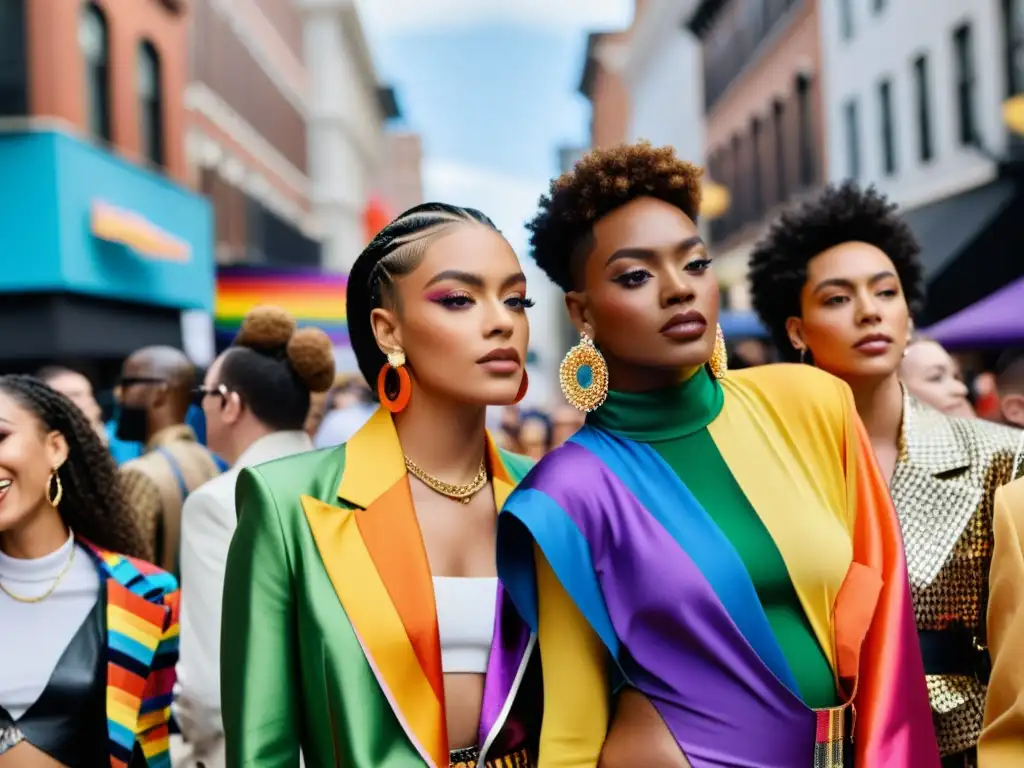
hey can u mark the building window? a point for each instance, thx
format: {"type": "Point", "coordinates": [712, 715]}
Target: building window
{"type": "Point", "coordinates": [924, 112]}
{"type": "Point", "coordinates": [1013, 30]}
{"type": "Point", "coordinates": [148, 79]}
{"type": "Point", "coordinates": [851, 122]}
{"type": "Point", "coordinates": [846, 19]}
{"type": "Point", "coordinates": [739, 185]}
{"type": "Point", "coordinates": [13, 59]}
{"type": "Point", "coordinates": [963, 54]}
{"type": "Point", "coordinates": [779, 135]}
{"type": "Point", "coordinates": [805, 129]}
{"type": "Point", "coordinates": [888, 132]}
{"type": "Point", "coordinates": [93, 40]}
{"type": "Point", "coordinates": [756, 179]}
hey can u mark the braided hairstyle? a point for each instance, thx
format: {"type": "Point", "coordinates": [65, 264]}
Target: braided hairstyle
{"type": "Point", "coordinates": [396, 251]}
{"type": "Point", "coordinates": [93, 504]}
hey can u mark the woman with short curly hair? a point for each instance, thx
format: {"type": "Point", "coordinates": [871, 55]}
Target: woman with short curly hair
{"type": "Point", "coordinates": [837, 281]}
{"type": "Point", "coordinates": [89, 633]}
{"type": "Point", "coordinates": [722, 542]}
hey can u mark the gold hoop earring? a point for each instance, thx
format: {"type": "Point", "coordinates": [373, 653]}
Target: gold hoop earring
{"type": "Point", "coordinates": [719, 362]}
{"type": "Point", "coordinates": [583, 375]}
{"type": "Point", "coordinates": [55, 501]}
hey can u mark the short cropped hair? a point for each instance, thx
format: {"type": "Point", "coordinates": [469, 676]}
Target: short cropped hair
{"type": "Point", "coordinates": [603, 180]}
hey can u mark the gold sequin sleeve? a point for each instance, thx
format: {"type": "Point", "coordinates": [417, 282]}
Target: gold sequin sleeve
{"type": "Point", "coordinates": [1002, 738]}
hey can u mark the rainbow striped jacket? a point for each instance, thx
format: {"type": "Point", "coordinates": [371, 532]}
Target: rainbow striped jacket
{"type": "Point", "coordinates": [142, 649]}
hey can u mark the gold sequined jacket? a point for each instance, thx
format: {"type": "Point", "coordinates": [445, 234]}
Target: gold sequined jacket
{"type": "Point", "coordinates": [943, 487]}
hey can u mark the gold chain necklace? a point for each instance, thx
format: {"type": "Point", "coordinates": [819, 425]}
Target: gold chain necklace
{"type": "Point", "coordinates": [48, 592]}
{"type": "Point", "coordinates": [460, 493]}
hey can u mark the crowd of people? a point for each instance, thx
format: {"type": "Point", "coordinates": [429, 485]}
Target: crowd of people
{"type": "Point", "coordinates": [809, 563]}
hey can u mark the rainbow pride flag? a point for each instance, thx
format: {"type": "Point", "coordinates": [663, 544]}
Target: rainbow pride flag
{"type": "Point", "coordinates": [312, 297]}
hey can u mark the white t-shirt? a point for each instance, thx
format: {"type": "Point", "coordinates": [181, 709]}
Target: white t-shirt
{"type": "Point", "coordinates": [35, 635]}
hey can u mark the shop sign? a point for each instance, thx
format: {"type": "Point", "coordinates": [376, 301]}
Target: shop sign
{"type": "Point", "coordinates": [134, 231]}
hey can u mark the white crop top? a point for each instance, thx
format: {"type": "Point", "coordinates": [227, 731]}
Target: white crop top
{"type": "Point", "coordinates": [465, 621]}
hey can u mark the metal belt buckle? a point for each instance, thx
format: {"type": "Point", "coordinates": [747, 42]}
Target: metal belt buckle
{"type": "Point", "coordinates": [10, 737]}
{"type": "Point", "coordinates": [465, 755]}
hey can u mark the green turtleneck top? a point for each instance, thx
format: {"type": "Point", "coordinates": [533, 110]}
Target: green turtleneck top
{"type": "Point", "coordinates": [674, 423]}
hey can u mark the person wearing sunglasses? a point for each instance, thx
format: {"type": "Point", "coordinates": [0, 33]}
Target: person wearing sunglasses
{"type": "Point", "coordinates": [256, 397]}
{"type": "Point", "coordinates": [155, 393]}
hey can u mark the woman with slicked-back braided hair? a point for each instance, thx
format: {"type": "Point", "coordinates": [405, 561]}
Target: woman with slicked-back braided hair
{"type": "Point", "coordinates": [88, 633]}
{"type": "Point", "coordinates": [363, 621]}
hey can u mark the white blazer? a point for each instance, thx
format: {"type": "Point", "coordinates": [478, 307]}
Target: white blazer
{"type": "Point", "coordinates": [208, 521]}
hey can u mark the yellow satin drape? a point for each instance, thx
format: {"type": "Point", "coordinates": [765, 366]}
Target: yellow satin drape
{"type": "Point", "coordinates": [1002, 737]}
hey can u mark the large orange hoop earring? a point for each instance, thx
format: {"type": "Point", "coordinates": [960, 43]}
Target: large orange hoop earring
{"type": "Point", "coordinates": [396, 363]}
{"type": "Point", "coordinates": [525, 385]}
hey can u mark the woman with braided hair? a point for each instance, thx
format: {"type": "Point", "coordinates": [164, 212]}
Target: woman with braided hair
{"type": "Point", "coordinates": [714, 547]}
{"type": "Point", "coordinates": [89, 637]}
{"type": "Point", "coordinates": [363, 621]}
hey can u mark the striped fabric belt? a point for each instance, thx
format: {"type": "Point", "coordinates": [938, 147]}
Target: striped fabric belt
{"type": "Point", "coordinates": [831, 739]}
{"type": "Point", "coordinates": [468, 757]}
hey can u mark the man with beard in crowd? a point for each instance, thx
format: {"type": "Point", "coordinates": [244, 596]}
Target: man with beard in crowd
{"type": "Point", "coordinates": [156, 390]}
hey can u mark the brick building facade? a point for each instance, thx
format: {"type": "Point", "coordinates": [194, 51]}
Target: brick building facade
{"type": "Point", "coordinates": [248, 102]}
{"type": "Point", "coordinates": [763, 119]}
{"type": "Point", "coordinates": [110, 70]}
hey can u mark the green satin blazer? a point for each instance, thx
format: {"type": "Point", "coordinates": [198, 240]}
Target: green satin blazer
{"type": "Point", "coordinates": [329, 636]}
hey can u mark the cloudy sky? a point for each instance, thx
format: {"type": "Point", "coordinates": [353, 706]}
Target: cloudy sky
{"type": "Point", "coordinates": [491, 85]}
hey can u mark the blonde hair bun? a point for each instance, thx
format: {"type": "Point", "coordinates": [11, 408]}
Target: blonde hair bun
{"type": "Point", "coordinates": [311, 356]}
{"type": "Point", "coordinates": [266, 327]}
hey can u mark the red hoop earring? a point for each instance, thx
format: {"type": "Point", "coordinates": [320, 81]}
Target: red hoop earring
{"type": "Point", "coordinates": [401, 399]}
{"type": "Point", "coordinates": [525, 385]}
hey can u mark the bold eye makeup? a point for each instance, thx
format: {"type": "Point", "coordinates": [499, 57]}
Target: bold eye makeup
{"type": "Point", "coordinates": [451, 299]}
{"type": "Point", "coordinates": [634, 278]}
{"type": "Point", "coordinates": [519, 302]}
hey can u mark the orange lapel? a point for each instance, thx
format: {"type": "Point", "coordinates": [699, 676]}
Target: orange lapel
{"type": "Point", "coordinates": [377, 564]}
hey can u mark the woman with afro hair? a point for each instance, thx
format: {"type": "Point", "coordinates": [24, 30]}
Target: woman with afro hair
{"type": "Point", "coordinates": [88, 631]}
{"type": "Point", "coordinates": [836, 280]}
{"type": "Point", "coordinates": [712, 563]}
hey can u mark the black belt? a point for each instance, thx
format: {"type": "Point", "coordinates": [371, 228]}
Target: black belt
{"type": "Point", "coordinates": [955, 652]}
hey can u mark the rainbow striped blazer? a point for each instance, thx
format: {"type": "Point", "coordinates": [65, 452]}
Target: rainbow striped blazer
{"type": "Point", "coordinates": [142, 649]}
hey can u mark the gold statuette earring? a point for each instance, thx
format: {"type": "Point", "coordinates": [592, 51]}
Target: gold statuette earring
{"type": "Point", "coordinates": [719, 362]}
{"type": "Point", "coordinates": [584, 376]}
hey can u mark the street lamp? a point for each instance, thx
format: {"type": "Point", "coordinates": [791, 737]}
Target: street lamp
{"type": "Point", "coordinates": [715, 200]}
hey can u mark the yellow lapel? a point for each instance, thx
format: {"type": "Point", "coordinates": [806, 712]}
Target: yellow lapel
{"type": "Point", "coordinates": [375, 558]}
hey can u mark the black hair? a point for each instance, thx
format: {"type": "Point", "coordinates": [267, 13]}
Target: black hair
{"type": "Point", "coordinates": [603, 180]}
{"type": "Point", "coordinates": [268, 387]}
{"type": "Point", "coordinates": [93, 504]}
{"type": "Point", "coordinates": [840, 214]}
{"type": "Point", "coordinates": [273, 367]}
{"type": "Point", "coordinates": [395, 251]}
